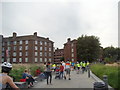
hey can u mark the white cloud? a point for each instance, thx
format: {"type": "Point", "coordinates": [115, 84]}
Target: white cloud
{"type": "Point", "coordinates": [60, 19]}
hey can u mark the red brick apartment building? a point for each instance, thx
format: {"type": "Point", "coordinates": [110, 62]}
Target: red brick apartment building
{"type": "Point", "coordinates": [58, 54]}
{"type": "Point", "coordinates": [27, 49]}
{"type": "Point", "coordinates": [70, 51]}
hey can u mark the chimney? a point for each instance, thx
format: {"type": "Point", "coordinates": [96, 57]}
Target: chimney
{"type": "Point", "coordinates": [68, 39]}
{"type": "Point", "coordinates": [35, 34]}
{"type": "Point", "coordinates": [14, 35]}
{"type": "Point", "coordinates": [47, 38]}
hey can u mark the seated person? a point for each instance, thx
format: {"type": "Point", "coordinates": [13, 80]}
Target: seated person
{"type": "Point", "coordinates": [26, 75]}
{"type": "Point", "coordinates": [37, 72]}
{"type": "Point", "coordinates": [5, 79]}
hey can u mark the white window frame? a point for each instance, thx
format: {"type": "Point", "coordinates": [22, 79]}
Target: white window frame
{"type": "Point", "coordinates": [20, 53]}
{"type": "Point", "coordinates": [14, 59]}
{"type": "Point", "coordinates": [20, 59]}
{"type": "Point", "coordinates": [41, 48]}
{"type": "Point", "coordinates": [45, 60]}
{"type": "Point", "coordinates": [26, 47]}
{"type": "Point", "coordinates": [36, 53]}
{"type": "Point", "coordinates": [26, 59]}
{"type": "Point", "coordinates": [20, 42]}
{"type": "Point", "coordinates": [36, 48]}
{"type": "Point", "coordinates": [36, 42]}
{"type": "Point", "coordinates": [41, 60]}
{"type": "Point", "coordinates": [41, 43]}
{"type": "Point", "coordinates": [36, 59]}
{"type": "Point", "coordinates": [41, 53]}
{"type": "Point", "coordinates": [26, 42]}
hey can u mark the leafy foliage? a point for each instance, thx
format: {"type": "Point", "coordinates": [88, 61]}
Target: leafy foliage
{"type": "Point", "coordinates": [88, 48]}
{"type": "Point", "coordinates": [111, 54]}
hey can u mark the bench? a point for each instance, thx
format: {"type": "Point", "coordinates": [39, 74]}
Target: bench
{"type": "Point", "coordinates": [21, 84]}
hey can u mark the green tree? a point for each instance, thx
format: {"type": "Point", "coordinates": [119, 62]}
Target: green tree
{"type": "Point", "coordinates": [111, 53]}
{"type": "Point", "coordinates": [88, 48]}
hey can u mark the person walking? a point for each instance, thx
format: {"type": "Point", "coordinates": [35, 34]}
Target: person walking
{"type": "Point", "coordinates": [64, 74]}
{"type": "Point", "coordinates": [49, 73]}
{"type": "Point", "coordinates": [5, 78]}
{"type": "Point", "coordinates": [78, 67]}
{"type": "Point", "coordinates": [61, 71]}
{"type": "Point", "coordinates": [67, 68]}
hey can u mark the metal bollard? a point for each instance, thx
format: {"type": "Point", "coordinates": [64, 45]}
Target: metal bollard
{"type": "Point", "coordinates": [105, 79]}
{"type": "Point", "coordinates": [88, 71]}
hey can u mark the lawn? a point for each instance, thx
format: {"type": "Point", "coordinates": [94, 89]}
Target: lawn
{"type": "Point", "coordinates": [113, 72]}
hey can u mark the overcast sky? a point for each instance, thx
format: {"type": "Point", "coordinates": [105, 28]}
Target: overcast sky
{"type": "Point", "coordinates": [61, 19]}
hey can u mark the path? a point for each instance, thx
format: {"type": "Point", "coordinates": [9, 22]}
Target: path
{"type": "Point", "coordinates": [77, 81]}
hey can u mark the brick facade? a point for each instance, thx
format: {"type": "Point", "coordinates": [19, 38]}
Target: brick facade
{"type": "Point", "coordinates": [27, 49]}
{"type": "Point", "coordinates": [70, 51]}
{"type": "Point", "coordinates": [58, 55]}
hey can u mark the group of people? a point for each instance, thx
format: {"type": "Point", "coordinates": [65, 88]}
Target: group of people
{"type": "Point", "coordinates": [64, 69]}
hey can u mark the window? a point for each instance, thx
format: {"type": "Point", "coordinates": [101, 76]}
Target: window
{"type": "Point", "coordinates": [72, 50]}
{"type": "Point", "coordinates": [45, 54]}
{"type": "Point", "coordinates": [9, 48]}
{"type": "Point", "coordinates": [14, 53]}
{"type": "Point", "coordinates": [8, 43]}
{"type": "Point", "coordinates": [45, 48]}
{"type": "Point", "coordinates": [36, 48]}
{"type": "Point", "coordinates": [3, 54]}
{"type": "Point", "coordinates": [8, 59]}
{"type": "Point", "coordinates": [45, 43]}
{"type": "Point", "coordinates": [26, 59]}
{"type": "Point", "coordinates": [26, 53]}
{"type": "Point", "coordinates": [36, 59]}
{"type": "Point", "coordinates": [15, 42]}
{"type": "Point", "coordinates": [49, 49]}
{"type": "Point", "coordinates": [3, 44]}
{"type": "Point", "coordinates": [40, 42]}
{"type": "Point", "coordinates": [14, 48]}
{"type": "Point", "coordinates": [49, 54]}
{"type": "Point", "coordinates": [21, 42]}
{"type": "Point", "coordinates": [36, 53]}
{"type": "Point", "coordinates": [26, 42]}
{"type": "Point", "coordinates": [72, 55]}
{"type": "Point", "coordinates": [2, 59]}
{"type": "Point", "coordinates": [40, 48]}
{"type": "Point", "coordinates": [50, 44]}
{"type": "Point", "coordinates": [20, 47]}
{"type": "Point", "coordinates": [20, 59]}
{"type": "Point", "coordinates": [45, 59]}
{"type": "Point", "coordinates": [3, 49]}
{"type": "Point", "coordinates": [72, 45]}
{"type": "Point", "coordinates": [36, 42]}
{"type": "Point", "coordinates": [49, 59]}
{"type": "Point", "coordinates": [20, 54]}
{"type": "Point", "coordinates": [40, 53]}
{"type": "Point", "coordinates": [40, 59]}
{"type": "Point", "coordinates": [26, 47]}
{"type": "Point", "coordinates": [14, 59]}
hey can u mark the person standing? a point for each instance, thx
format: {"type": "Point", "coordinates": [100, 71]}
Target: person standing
{"type": "Point", "coordinates": [49, 73]}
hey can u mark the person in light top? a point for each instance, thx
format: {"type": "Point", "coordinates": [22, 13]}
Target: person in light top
{"type": "Point", "coordinates": [68, 69]}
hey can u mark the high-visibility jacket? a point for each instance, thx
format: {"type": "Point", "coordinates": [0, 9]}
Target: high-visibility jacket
{"type": "Point", "coordinates": [84, 64]}
{"type": "Point", "coordinates": [78, 65]}
{"type": "Point", "coordinates": [81, 63]}
{"type": "Point", "coordinates": [88, 63]}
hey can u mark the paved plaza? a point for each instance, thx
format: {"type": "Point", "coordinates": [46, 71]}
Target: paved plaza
{"type": "Point", "coordinates": [77, 81]}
